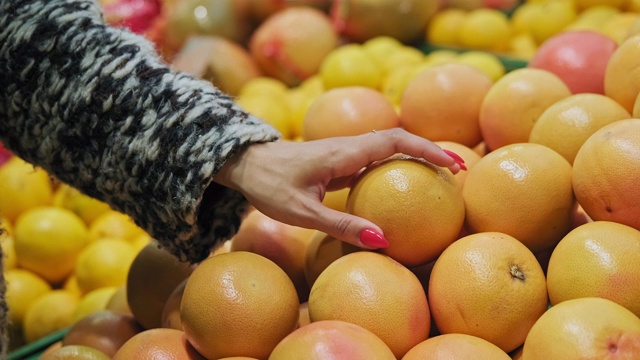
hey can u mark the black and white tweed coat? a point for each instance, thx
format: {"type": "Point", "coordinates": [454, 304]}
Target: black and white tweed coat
{"type": "Point", "coordinates": [96, 107]}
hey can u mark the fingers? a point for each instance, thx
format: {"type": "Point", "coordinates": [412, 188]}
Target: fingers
{"type": "Point", "coordinates": [348, 228]}
{"type": "Point", "coordinates": [382, 144]}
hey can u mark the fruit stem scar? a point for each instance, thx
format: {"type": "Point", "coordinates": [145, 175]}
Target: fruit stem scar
{"type": "Point", "coordinates": [516, 272]}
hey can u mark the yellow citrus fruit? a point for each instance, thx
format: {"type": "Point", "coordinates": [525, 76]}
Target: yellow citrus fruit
{"type": "Point", "coordinates": [523, 17]}
{"type": "Point", "coordinates": [523, 190]}
{"type": "Point", "coordinates": [6, 227]}
{"type": "Point", "coordinates": [104, 263]}
{"type": "Point", "coordinates": [23, 287]}
{"type": "Point", "coordinates": [74, 352]}
{"type": "Point", "coordinates": [604, 173]}
{"type": "Point", "coordinates": [118, 301]}
{"type": "Point", "coordinates": [484, 28]}
{"type": "Point", "coordinates": [350, 65]}
{"type": "Point", "coordinates": [622, 78]}
{"type": "Point", "coordinates": [443, 27]}
{"type": "Point", "coordinates": [86, 207]}
{"type": "Point", "coordinates": [568, 123]}
{"type": "Point", "coordinates": [238, 304]}
{"type": "Point", "coordinates": [114, 224]}
{"type": "Point", "coordinates": [331, 339]}
{"type": "Point", "coordinates": [9, 257]}
{"type": "Point", "coordinates": [271, 108]}
{"type": "Point", "coordinates": [514, 103]}
{"type": "Point", "coordinates": [263, 85]}
{"type": "Point", "coordinates": [358, 285]}
{"type": "Point", "coordinates": [71, 285]}
{"type": "Point", "coordinates": [299, 103]}
{"type": "Point", "coordinates": [379, 47]}
{"type": "Point", "coordinates": [469, 156]}
{"type": "Point", "coordinates": [482, 271]}
{"type": "Point", "coordinates": [618, 27]}
{"type": "Point", "coordinates": [587, 4]}
{"type": "Point", "coordinates": [551, 18]}
{"type": "Point", "coordinates": [50, 312]}
{"type": "Point", "coordinates": [426, 107]}
{"type": "Point", "coordinates": [486, 62]}
{"type": "Point", "coordinates": [140, 241]}
{"type": "Point", "coordinates": [48, 241]}
{"type": "Point", "coordinates": [92, 302]}
{"type": "Point", "coordinates": [418, 206]}
{"type": "Point", "coordinates": [597, 259]}
{"type": "Point", "coordinates": [337, 199]}
{"type": "Point", "coordinates": [455, 346]}
{"type": "Point", "coordinates": [593, 18]}
{"type": "Point", "coordinates": [22, 186]}
{"type": "Point", "coordinates": [523, 47]}
{"type": "Point", "coordinates": [584, 328]}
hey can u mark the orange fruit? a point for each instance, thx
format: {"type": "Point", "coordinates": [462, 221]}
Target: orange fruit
{"type": "Point", "coordinates": [158, 343]}
{"type": "Point", "coordinates": [488, 285]}
{"type": "Point", "coordinates": [622, 75]}
{"type": "Point", "coordinates": [469, 156]}
{"type": "Point", "coordinates": [604, 173]}
{"type": "Point", "coordinates": [455, 346]}
{"type": "Point", "coordinates": [345, 111]}
{"type": "Point", "coordinates": [281, 243]}
{"type": "Point", "coordinates": [103, 330]}
{"type": "Point", "coordinates": [93, 301]}
{"type": "Point", "coordinates": [22, 187]}
{"type": "Point", "coordinates": [584, 328]}
{"type": "Point", "coordinates": [49, 313]}
{"type": "Point", "coordinates": [418, 206]}
{"type": "Point", "coordinates": [23, 288]}
{"type": "Point", "coordinates": [74, 352]}
{"type": "Point", "coordinates": [48, 241]}
{"type": "Point", "coordinates": [238, 304]}
{"type": "Point", "coordinates": [523, 190]}
{"type": "Point", "coordinates": [597, 259]}
{"type": "Point", "coordinates": [337, 199]}
{"type": "Point", "coordinates": [331, 339]}
{"type": "Point", "coordinates": [514, 103]}
{"type": "Point", "coordinates": [568, 123]}
{"type": "Point", "coordinates": [114, 224]}
{"type": "Point", "coordinates": [153, 275]}
{"type": "Point", "coordinates": [86, 207]}
{"type": "Point", "coordinates": [376, 292]}
{"type": "Point", "coordinates": [322, 250]}
{"type": "Point", "coordinates": [426, 107]}
{"type": "Point", "coordinates": [103, 263]}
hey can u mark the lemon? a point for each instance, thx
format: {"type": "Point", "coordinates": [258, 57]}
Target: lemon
{"type": "Point", "coordinates": [48, 240]}
{"type": "Point", "coordinates": [270, 107]}
{"type": "Point", "coordinates": [49, 313]}
{"type": "Point", "coordinates": [140, 241]}
{"type": "Point", "coordinates": [551, 18]}
{"type": "Point", "coordinates": [485, 62]}
{"type": "Point", "coordinates": [405, 56]}
{"type": "Point", "coordinates": [299, 102]}
{"type": "Point", "coordinates": [93, 301]}
{"type": "Point", "coordinates": [71, 285]}
{"type": "Point", "coordinates": [396, 82]}
{"type": "Point", "coordinates": [23, 287]}
{"type": "Point", "coordinates": [379, 47]}
{"type": "Point", "coordinates": [22, 186]}
{"type": "Point", "coordinates": [486, 29]}
{"type": "Point", "coordinates": [114, 224]}
{"type": "Point", "coordinates": [263, 85]}
{"type": "Point", "coordinates": [10, 260]}
{"type": "Point", "coordinates": [86, 207]}
{"type": "Point", "coordinates": [443, 28]}
{"type": "Point", "coordinates": [104, 263]}
{"type": "Point", "coordinates": [350, 65]}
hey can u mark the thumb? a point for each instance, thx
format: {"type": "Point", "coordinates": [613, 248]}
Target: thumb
{"type": "Point", "coordinates": [349, 228]}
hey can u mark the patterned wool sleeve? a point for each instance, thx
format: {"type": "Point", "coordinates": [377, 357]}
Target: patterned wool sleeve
{"type": "Point", "coordinates": [96, 107]}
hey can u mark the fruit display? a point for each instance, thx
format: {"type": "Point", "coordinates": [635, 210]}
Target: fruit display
{"type": "Point", "coordinates": [532, 252]}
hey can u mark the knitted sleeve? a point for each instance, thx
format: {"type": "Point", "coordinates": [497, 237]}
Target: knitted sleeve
{"type": "Point", "coordinates": [96, 107]}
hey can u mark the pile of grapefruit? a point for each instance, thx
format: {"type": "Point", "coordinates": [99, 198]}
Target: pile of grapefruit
{"type": "Point", "coordinates": [533, 252]}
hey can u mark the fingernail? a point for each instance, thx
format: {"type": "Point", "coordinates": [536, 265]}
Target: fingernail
{"type": "Point", "coordinates": [462, 166]}
{"type": "Point", "coordinates": [372, 238]}
{"type": "Point", "coordinates": [455, 156]}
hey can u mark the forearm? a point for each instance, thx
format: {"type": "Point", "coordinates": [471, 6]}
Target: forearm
{"type": "Point", "coordinates": [97, 108]}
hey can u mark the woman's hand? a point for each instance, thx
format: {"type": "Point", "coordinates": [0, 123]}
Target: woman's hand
{"type": "Point", "coordinates": [288, 180]}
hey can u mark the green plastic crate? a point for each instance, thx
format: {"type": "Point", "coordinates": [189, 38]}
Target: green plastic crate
{"type": "Point", "coordinates": [35, 349]}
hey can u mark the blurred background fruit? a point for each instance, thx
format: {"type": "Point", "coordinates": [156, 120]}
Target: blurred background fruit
{"type": "Point", "coordinates": [456, 346]}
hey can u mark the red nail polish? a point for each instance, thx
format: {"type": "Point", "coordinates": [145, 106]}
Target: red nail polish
{"type": "Point", "coordinates": [455, 156]}
{"type": "Point", "coordinates": [372, 238]}
{"type": "Point", "coordinates": [462, 166]}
